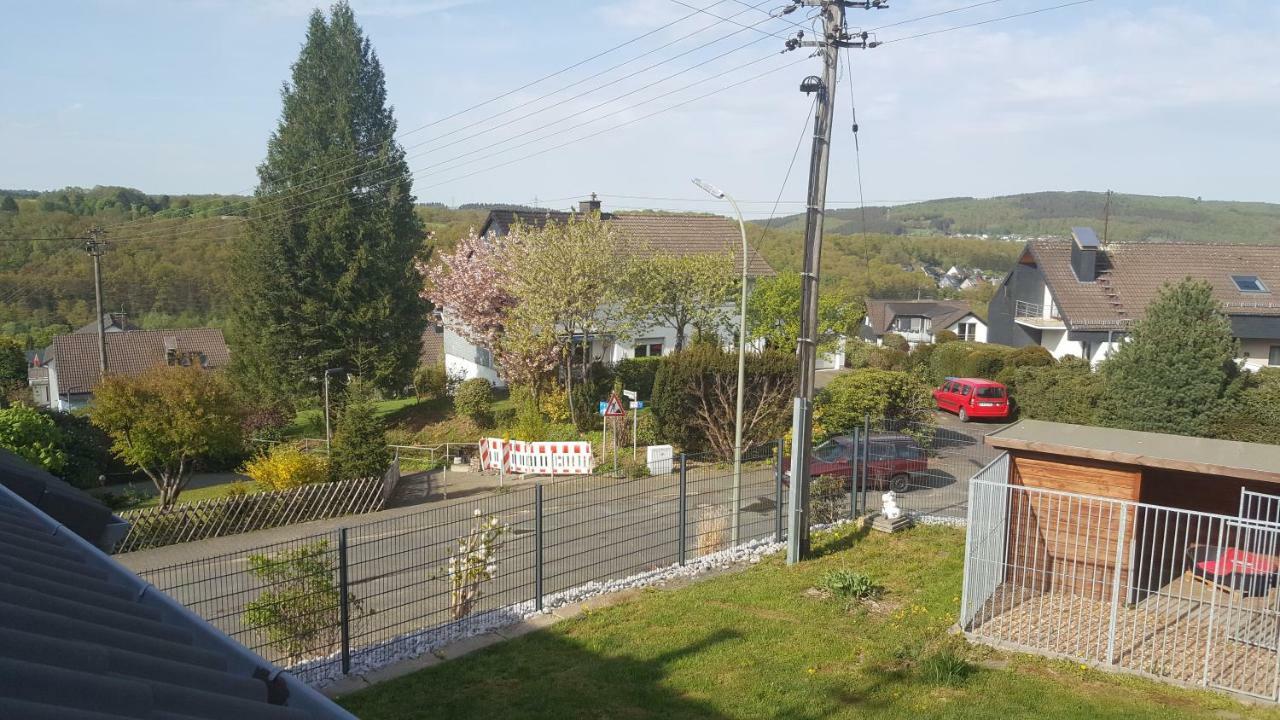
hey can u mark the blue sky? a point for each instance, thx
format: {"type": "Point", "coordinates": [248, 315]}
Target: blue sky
{"type": "Point", "coordinates": [1168, 98]}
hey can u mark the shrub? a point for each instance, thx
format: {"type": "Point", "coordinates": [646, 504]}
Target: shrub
{"type": "Point", "coordinates": [829, 498]}
{"type": "Point", "coordinates": [647, 429]}
{"type": "Point", "coordinates": [473, 563]}
{"type": "Point", "coordinates": [264, 423]}
{"type": "Point", "coordinates": [886, 358]}
{"type": "Point", "coordinates": [554, 404]}
{"type": "Point", "coordinates": [1068, 392]}
{"type": "Point", "coordinates": [87, 448]}
{"type": "Point", "coordinates": [986, 362]}
{"type": "Point", "coordinates": [694, 391]}
{"type": "Point", "coordinates": [948, 360]}
{"type": "Point", "coordinates": [32, 436]}
{"type": "Point", "coordinates": [894, 341]}
{"type": "Point", "coordinates": [299, 610]}
{"type": "Point", "coordinates": [285, 467]}
{"type": "Point", "coordinates": [1255, 415]}
{"type": "Point", "coordinates": [430, 382]}
{"type": "Point", "coordinates": [944, 336]}
{"type": "Point", "coordinates": [878, 393]}
{"type": "Point", "coordinates": [638, 374]}
{"type": "Point", "coordinates": [474, 399]}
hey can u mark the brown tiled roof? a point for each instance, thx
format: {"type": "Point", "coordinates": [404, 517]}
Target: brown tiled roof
{"type": "Point", "coordinates": [679, 234]}
{"type": "Point", "coordinates": [1131, 274]}
{"type": "Point", "coordinates": [942, 312]}
{"type": "Point", "coordinates": [132, 352]}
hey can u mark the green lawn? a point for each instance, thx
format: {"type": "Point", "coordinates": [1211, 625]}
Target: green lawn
{"type": "Point", "coordinates": [147, 496]}
{"type": "Point", "coordinates": [759, 644]}
{"type": "Point", "coordinates": [310, 422]}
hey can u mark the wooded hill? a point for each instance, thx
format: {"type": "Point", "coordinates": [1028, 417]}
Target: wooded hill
{"type": "Point", "coordinates": [168, 264]}
{"type": "Point", "coordinates": [1134, 218]}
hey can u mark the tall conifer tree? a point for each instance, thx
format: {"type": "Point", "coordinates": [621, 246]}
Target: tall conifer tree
{"type": "Point", "coordinates": [326, 275]}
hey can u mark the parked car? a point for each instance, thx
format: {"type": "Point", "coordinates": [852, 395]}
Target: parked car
{"type": "Point", "coordinates": [892, 459]}
{"type": "Point", "coordinates": [973, 398]}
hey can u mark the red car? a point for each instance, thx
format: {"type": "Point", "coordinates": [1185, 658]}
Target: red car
{"type": "Point", "coordinates": [973, 398]}
{"type": "Point", "coordinates": [892, 459]}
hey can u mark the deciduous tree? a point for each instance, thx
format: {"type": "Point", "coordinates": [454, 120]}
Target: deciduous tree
{"type": "Point", "coordinates": [773, 313]}
{"type": "Point", "coordinates": [165, 421]}
{"type": "Point", "coordinates": [681, 291]}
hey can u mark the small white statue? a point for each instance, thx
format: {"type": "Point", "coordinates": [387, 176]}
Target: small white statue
{"type": "Point", "coordinates": [889, 506]}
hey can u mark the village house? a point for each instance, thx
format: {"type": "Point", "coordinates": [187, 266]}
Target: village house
{"type": "Point", "coordinates": [675, 233]}
{"type": "Point", "coordinates": [919, 321]}
{"type": "Point", "coordinates": [1076, 297]}
{"type": "Point", "coordinates": [69, 370]}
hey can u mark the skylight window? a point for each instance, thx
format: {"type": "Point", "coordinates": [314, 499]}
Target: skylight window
{"type": "Point", "coordinates": [1249, 283]}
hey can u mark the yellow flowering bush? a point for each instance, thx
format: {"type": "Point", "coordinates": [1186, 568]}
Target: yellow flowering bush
{"type": "Point", "coordinates": [287, 467]}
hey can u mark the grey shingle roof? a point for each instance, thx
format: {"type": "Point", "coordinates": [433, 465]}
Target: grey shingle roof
{"type": "Point", "coordinates": [675, 233]}
{"type": "Point", "coordinates": [942, 312]}
{"type": "Point", "coordinates": [83, 638]}
{"type": "Point", "coordinates": [1131, 274]}
{"type": "Point", "coordinates": [131, 352]}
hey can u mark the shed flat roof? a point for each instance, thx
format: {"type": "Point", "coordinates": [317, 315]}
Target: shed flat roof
{"type": "Point", "coordinates": [1227, 458]}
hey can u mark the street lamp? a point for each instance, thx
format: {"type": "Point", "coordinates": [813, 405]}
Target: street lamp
{"type": "Point", "coordinates": [328, 436]}
{"type": "Point", "coordinates": [719, 194]}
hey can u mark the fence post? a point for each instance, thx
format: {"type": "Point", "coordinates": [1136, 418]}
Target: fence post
{"type": "Point", "coordinates": [777, 490]}
{"type": "Point", "coordinates": [866, 455]}
{"type": "Point", "coordinates": [853, 479]}
{"type": "Point", "coordinates": [537, 544]}
{"type": "Point", "coordinates": [683, 511]}
{"type": "Point", "coordinates": [344, 604]}
{"type": "Point", "coordinates": [1115, 586]}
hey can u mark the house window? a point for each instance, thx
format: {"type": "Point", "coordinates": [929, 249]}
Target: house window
{"type": "Point", "coordinates": [648, 348]}
{"type": "Point", "coordinates": [1249, 283]}
{"type": "Point", "coordinates": [967, 331]}
{"type": "Point", "coordinates": [484, 358]}
{"type": "Point", "coordinates": [1273, 359]}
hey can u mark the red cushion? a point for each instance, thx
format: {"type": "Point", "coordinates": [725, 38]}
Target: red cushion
{"type": "Point", "coordinates": [1238, 561]}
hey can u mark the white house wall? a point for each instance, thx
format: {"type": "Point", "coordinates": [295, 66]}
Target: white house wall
{"type": "Point", "coordinates": [1255, 354]}
{"type": "Point", "coordinates": [979, 332]}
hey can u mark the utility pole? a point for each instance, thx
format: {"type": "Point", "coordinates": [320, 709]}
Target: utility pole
{"type": "Point", "coordinates": [96, 246]}
{"type": "Point", "coordinates": [834, 37]}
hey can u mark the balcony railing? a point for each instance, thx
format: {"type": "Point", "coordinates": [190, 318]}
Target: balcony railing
{"type": "Point", "coordinates": [1032, 314]}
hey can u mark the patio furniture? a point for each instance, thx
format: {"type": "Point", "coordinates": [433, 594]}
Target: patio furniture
{"type": "Point", "coordinates": [1233, 570]}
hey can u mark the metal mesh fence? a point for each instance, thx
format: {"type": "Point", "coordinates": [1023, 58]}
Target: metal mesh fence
{"type": "Point", "coordinates": [376, 591]}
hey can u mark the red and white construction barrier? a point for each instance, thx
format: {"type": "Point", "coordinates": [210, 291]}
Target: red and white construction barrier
{"type": "Point", "coordinates": [538, 458]}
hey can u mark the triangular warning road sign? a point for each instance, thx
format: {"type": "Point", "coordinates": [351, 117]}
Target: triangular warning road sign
{"type": "Point", "coordinates": [614, 408]}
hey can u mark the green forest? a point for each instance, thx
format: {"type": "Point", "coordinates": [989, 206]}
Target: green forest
{"type": "Point", "coordinates": [170, 255]}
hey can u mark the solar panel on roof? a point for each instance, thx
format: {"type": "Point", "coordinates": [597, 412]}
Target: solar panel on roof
{"type": "Point", "coordinates": [1085, 237]}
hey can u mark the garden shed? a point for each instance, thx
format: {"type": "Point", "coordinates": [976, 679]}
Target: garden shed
{"type": "Point", "coordinates": [1146, 551]}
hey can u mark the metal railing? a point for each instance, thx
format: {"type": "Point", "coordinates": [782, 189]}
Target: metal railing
{"type": "Point", "coordinates": [1173, 593]}
{"type": "Point", "coordinates": [156, 527]}
{"type": "Point", "coordinates": [371, 592]}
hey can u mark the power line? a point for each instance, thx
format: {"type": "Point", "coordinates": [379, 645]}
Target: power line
{"type": "Point", "coordinates": [804, 129]}
{"type": "Point", "coordinates": [299, 191]}
{"type": "Point", "coordinates": [422, 174]}
{"type": "Point", "coordinates": [934, 15]}
{"type": "Point", "coordinates": [987, 22]}
{"type": "Point", "coordinates": [293, 191]}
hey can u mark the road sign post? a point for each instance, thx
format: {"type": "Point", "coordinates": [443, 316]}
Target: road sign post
{"type": "Point", "coordinates": [613, 409]}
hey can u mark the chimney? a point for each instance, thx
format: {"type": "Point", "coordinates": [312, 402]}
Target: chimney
{"type": "Point", "coordinates": [586, 207]}
{"type": "Point", "coordinates": [1084, 253]}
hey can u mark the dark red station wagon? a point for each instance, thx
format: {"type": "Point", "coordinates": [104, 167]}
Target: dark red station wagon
{"type": "Point", "coordinates": [892, 459]}
{"type": "Point", "coordinates": [973, 398]}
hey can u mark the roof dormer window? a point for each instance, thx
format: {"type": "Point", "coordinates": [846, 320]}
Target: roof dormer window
{"type": "Point", "coordinates": [1249, 284]}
